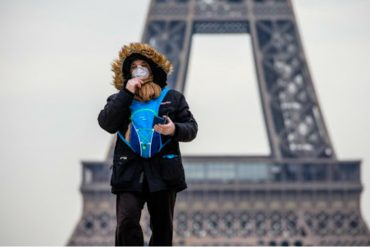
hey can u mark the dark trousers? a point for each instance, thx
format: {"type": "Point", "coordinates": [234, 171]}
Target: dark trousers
{"type": "Point", "coordinates": [128, 210]}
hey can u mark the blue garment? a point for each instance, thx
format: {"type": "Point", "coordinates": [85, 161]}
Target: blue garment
{"type": "Point", "coordinates": [143, 139]}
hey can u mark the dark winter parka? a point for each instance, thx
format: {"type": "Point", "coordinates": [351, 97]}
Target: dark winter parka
{"type": "Point", "coordinates": [165, 169]}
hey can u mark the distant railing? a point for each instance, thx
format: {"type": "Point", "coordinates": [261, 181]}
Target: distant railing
{"type": "Point", "coordinates": [246, 171]}
{"type": "Point", "coordinates": [95, 173]}
{"type": "Point", "coordinates": [265, 171]}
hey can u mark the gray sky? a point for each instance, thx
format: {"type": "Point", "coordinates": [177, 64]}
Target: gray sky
{"type": "Point", "coordinates": [55, 77]}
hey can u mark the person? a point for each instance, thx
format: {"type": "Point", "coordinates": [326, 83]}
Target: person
{"type": "Point", "coordinates": [150, 120]}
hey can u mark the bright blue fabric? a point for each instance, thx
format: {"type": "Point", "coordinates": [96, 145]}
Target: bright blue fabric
{"type": "Point", "coordinates": [143, 139]}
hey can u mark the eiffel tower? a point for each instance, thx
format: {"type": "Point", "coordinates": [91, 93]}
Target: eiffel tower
{"type": "Point", "coordinates": [300, 194]}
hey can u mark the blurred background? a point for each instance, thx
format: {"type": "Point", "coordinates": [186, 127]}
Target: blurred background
{"type": "Point", "coordinates": [55, 77]}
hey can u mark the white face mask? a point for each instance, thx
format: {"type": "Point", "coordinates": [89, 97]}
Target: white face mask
{"type": "Point", "coordinates": [140, 71]}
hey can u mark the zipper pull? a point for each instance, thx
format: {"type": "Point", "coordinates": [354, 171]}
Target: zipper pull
{"type": "Point", "coordinates": [170, 156]}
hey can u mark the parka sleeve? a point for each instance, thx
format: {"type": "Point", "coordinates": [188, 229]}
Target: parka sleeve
{"type": "Point", "coordinates": [186, 127]}
{"type": "Point", "coordinates": [116, 111]}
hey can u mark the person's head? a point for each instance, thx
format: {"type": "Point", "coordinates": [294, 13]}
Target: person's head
{"type": "Point", "coordinates": [159, 65]}
{"type": "Point", "coordinates": [141, 68]}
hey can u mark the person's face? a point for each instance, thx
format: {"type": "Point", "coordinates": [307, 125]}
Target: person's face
{"type": "Point", "coordinates": [139, 62]}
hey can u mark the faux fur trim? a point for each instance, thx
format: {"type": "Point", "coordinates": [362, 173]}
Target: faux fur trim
{"type": "Point", "coordinates": [143, 49]}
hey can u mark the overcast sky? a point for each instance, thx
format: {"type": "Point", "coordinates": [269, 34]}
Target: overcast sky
{"type": "Point", "coordinates": [55, 77]}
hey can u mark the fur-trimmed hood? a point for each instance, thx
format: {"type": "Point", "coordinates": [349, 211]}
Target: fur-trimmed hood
{"type": "Point", "coordinates": [158, 62]}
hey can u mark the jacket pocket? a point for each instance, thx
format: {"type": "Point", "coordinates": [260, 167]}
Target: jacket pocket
{"type": "Point", "coordinates": [172, 170]}
{"type": "Point", "coordinates": [123, 170]}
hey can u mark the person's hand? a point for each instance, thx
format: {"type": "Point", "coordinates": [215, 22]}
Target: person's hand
{"type": "Point", "coordinates": [167, 128]}
{"type": "Point", "coordinates": [133, 84]}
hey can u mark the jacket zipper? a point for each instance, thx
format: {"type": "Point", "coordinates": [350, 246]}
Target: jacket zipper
{"type": "Point", "coordinates": [141, 176]}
